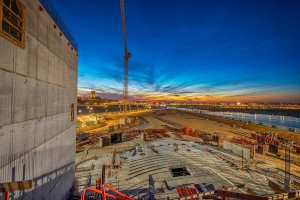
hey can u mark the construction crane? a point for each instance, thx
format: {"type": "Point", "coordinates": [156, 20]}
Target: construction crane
{"type": "Point", "coordinates": [126, 58]}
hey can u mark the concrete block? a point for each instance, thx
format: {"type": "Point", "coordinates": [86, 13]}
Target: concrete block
{"type": "Point", "coordinates": [5, 173]}
{"type": "Point", "coordinates": [52, 68]}
{"type": "Point", "coordinates": [33, 54]}
{"type": "Point", "coordinates": [18, 165]}
{"type": "Point", "coordinates": [73, 80]}
{"type": "Point", "coordinates": [23, 134]}
{"type": "Point", "coordinates": [60, 49]}
{"type": "Point", "coordinates": [53, 37]}
{"type": "Point", "coordinates": [39, 159]}
{"type": "Point", "coordinates": [60, 74]}
{"type": "Point", "coordinates": [6, 54]}
{"type": "Point", "coordinates": [60, 121]}
{"type": "Point", "coordinates": [32, 16]}
{"type": "Point", "coordinates": [52, 100]}
{"type": "Point", "coordinates": [42, 63]}
{"type": "Point", "coordinates": [21, 58]}
{"type": "Point", "coordinates": [50, 128]}
{"type": "Point", "coordinates": [6, 86]}
{"type": "Point", "coordinates": [60, 98]}
{"type": "Point", "coordinates": [66, 94]}
{"type": "Point", "coordinates": [43, 28]}
{"type": "Point", "coordinates": [66, 121]}
{"type": "Point", "coordinates": [5, 146]}
{"type": "Point", "coordinates": [68, 77]}
{"type": "Point", "coordinates": [24, 99]}
{"type": "Point", "coordinates": [40, 131]}
{"type": "Point", "coordinates": [48, 164]}
{"type": "Point", "coordinates": [55, 126]}
{"type": "Point", "coordinates": [41, 99]}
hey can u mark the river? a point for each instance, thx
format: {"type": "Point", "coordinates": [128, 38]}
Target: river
{"type": "Point", "coordinates": [278, 120]}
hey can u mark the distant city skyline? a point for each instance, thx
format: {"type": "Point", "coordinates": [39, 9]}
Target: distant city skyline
{"type": "Point", "coordinates": [210, 51]}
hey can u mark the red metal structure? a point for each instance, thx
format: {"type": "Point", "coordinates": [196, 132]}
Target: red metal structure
{"type": "Point", "coordinates": [104, 194]}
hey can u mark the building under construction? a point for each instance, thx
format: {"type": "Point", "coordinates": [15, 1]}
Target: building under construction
{"type": "Point", "coordinates": [160, 159]}
{"type": "Point", "coordinates": [141, 157]}
{"type": "Point", "coordinates": [38, 89]}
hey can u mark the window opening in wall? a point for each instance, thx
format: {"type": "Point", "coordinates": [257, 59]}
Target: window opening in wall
{"type": "Point", "coordinates": [12, 21]}
{"type": "Point", "coordinates": [72, 112]}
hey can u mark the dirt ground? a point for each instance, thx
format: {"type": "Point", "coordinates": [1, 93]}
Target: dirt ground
{"type": "Point", "coordinates": [115, 120]}
{"type": "Point", "coordinates": [205, 125]}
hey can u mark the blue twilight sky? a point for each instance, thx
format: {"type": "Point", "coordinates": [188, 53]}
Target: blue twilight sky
{"type": "Point", "coordinates": [190, 50]}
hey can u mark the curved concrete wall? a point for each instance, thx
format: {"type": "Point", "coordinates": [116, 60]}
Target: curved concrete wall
{"type": "Point", "coordinates": [37, 86]}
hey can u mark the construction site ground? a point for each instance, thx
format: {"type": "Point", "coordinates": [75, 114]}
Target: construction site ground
{"type": "Point", "coordinates": [224, 167]}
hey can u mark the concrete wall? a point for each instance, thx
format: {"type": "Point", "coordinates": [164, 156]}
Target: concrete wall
{"type": "Point", "coordinates": [236, 149]}
{"type": "Point", "coordinates": [37, 86]}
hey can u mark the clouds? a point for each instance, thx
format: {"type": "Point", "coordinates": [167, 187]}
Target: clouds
{"type": "Point", "coordinates": [189, 50]}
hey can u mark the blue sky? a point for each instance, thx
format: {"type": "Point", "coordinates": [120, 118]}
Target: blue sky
{"type": "Point", "coordinates": [191, 50]}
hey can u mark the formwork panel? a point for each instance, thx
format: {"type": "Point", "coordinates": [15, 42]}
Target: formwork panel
{"type": "Point", "coordinates": [32, 59]}
{"type": "Point", "coordinates": [41, 99]}
{"type": "Point", "coordinates": [24, 98]}
{"type": "Point", "coordinates": [5, 146]}
{"type": "Point", "coordinates": [6, 80]}
{"type": "Point", "coordinates": [6, 54]}
{"type": "Point", "coordinates": [42, 63]}
{"type": "Point", "coordinates": [236, 149]}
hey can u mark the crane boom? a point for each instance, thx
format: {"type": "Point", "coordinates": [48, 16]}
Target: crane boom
{"type": "Point", "coordinates": [126, 58]}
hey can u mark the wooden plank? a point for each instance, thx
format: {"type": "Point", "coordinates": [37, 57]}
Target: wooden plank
{"type": "Point", "coordinates": [15, 186]}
